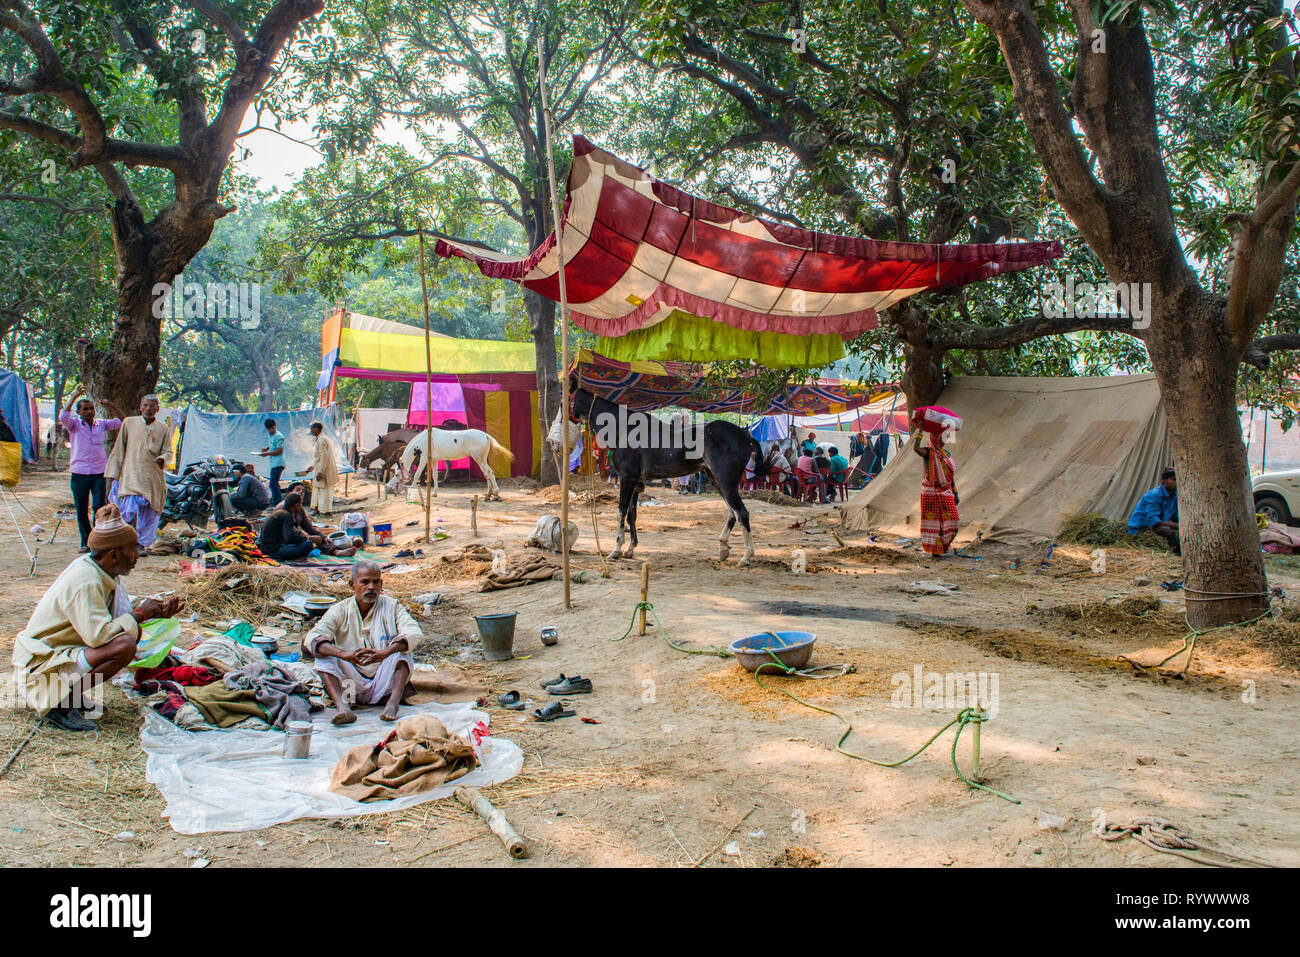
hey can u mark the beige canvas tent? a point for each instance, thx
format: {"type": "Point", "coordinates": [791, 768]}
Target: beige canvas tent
{"type": "Point", "coordinates": [1032, 453]}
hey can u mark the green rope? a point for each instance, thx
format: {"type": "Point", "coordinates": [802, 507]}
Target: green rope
{"type": "Point", "coordinates": [1189, 639]}
{"type": "Point", "coordinates": [964, 717]}
{"type": "Point", "coordinates": [715, 651]}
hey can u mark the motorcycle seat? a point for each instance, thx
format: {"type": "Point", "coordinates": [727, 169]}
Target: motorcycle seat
{"type": "Point", "coordinates": [172, 477]}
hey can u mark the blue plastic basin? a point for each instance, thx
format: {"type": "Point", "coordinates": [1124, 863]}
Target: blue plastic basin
{"type": "Point", "coordinates": [792, 648]}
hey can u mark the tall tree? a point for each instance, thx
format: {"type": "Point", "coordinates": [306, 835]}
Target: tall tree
{"type": "Point", "coordinates": [462, 75]}
{"type": "Point", "coordinates": [882, 121]}
{"type": "Point", "coordinates": [1084, 80]}
{"type": "Point", "coordinates": [209, 60]}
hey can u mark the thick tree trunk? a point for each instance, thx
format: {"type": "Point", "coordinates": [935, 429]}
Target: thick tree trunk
{"type": "Point", "coordinates": [541, 316]}
{"type": "Point", "coordinates": [922, 363]}
{"type": "Point", "coordinates": [146, 254]}
{"type": "Point", "coordinates": [1224, 572]}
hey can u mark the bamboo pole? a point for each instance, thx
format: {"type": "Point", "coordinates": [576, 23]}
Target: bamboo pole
{"type": "Point", "coordinates": [428, 394]}
{"type": "Point", "coordinates": [975, 744]}
{"type": "Point", "coordinates": [645, 592]}
{"type": "Point", "coordinates": [514, 844]}
{"type": "Point", "coordinates": [564, 319]}
{"type": "Point", "coordinates": [473, 515]}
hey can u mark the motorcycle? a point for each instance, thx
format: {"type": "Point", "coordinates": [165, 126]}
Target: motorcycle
{"type": "Point", "coordinates": [201, 492]}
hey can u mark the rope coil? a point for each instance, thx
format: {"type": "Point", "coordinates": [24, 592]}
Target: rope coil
{"type": "Point", "coordinates": [964, 717]}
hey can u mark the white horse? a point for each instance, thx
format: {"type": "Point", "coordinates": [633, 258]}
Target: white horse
{"type": "Point", "coordinates": [438, 445]}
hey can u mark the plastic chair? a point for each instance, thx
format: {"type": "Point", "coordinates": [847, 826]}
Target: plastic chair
{"type": "Point", "coordinates": [810, 482]}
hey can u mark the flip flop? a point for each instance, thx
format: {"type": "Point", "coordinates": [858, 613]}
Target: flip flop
{"type": "Point", "coordinates": [575, 685]}
{"type": "Point", "coordinates": [555, 681]}
{"type": "Point", "coordinates": [511, 700]}
{"type": "Point", "coordinates": [555, 709]}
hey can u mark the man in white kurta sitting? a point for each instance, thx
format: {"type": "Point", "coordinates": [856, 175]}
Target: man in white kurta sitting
{"type": "Point", "coordinates": [363, 647]}
{"type": "Point", "coordinates": [84, 630]}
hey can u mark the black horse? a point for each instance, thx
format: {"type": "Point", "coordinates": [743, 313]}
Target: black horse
{"type": "Point", "coordinates": [644, 448]}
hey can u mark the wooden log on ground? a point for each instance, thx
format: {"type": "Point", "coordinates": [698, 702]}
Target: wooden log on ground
{"type": "Point", "coordinates": [514, 844]}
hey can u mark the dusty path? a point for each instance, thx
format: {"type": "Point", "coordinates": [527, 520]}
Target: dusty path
{"type": "Point", "coordinates": [688, 745]}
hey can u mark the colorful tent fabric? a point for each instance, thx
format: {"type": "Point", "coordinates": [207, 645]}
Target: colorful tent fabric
{"type": "Point", "coordinates": [19, 408]}
{"type": "Point", "coordinates": [365, 347]}
{"type": "Point", "coordinates": [641, 252]}
{"type": "Point", "coordinates": [482, 383]}
{"type": "Point", "coordinates": [508, 415]}
{"type": "Point", "coordinates": [645, 385]}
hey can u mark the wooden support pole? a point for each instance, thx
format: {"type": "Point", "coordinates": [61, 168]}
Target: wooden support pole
{"type": "Point", "coordinates": [975, 744]}
{"type": "Point", "coordinates": [645, 592]}
{"type": "Point", "coordinates": [473, 515]}
{"type": "Point", "coordinates": [428, 392]}
{"type": "Point", "coordinates": [549, 120]}
{"type": "Point", "coordinates": [514, 844]}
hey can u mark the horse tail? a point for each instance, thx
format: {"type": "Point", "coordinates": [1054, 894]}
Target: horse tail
{"type": "Point", "coordinates": [761, 465]}
{"type": "Point", "coordinates": [501, 449]}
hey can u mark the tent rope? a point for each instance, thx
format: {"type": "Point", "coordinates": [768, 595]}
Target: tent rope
{"type": "Point", "coordinates": [1169, 838]}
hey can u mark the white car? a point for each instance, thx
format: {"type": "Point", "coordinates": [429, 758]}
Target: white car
{"type": "Point", "coordinates": [1277, 495]}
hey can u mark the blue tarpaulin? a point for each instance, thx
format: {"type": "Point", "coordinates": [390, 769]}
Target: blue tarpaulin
{"type": "Point", "coordinates": [241, 436]}
{"type": "Point", "coordinates": [19, 410]}
{"type": "Point", "coordinates": [769, 428]}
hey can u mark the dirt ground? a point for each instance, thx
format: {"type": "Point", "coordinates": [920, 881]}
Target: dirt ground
{"type": "Point", "coordinates": [690, 754]}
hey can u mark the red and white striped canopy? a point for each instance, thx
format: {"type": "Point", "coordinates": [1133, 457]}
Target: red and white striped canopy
{"type": "Point", "coordinates": [637, 250]}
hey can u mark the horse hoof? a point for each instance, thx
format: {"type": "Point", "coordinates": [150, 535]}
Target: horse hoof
{"type": "Point", "coordinates": [744, 563]}
{"type": "Point", "coordinates": [723, 553]}
{"type": "Point", "coordinates": [615, 555]}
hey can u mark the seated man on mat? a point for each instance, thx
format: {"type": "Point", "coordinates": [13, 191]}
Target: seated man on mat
{"type": "Point", "coordinates": [363, 647]}
{"type": "Point", "coordinates": [1158, 511]}
{"type": "Point", "coordinates": [250, 494]}
{"type": "Point", "coordinates": [288, 534]}
{"type": "Point", "coordinates": [84, 630]}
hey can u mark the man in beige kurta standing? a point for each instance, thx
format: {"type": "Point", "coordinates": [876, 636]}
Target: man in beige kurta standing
{"type": "Point", "coordinates": [324, 470]}
{"type": "Point", "coordinates": [135, 470]}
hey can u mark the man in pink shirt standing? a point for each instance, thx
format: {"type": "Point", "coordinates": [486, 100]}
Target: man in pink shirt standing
{"type": "Point", "coordinates": [88, 456]}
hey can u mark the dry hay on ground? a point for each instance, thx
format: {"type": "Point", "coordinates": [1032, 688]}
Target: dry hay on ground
{"type": "Point", "coordinates": [870, 684]}
{"type": "Point", "coordinates": [772, 497]}
{"type": "Point", "coordinates": [1273, 643]}
{"type": "Point", "coordinates": [1132, 616]}
{"type": "Point", "coordinates": [248, 592]}
{"type": "Point", "coordinates": [875, 555]}
{"type": "Point", "coordinates": [1021, 644]}
{"type": "Point", "coordinates": [534, 782]}
{"type": "Point", "coordinates": [796, 856]}
{"type": "Point", "coordinates": [93, 781]}
{"type": "Point", "coordinates": [1089, 528]}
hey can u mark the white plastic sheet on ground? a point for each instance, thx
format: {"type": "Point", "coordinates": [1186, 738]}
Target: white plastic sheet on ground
{"type": "Point", "coordinates": [240, 781]}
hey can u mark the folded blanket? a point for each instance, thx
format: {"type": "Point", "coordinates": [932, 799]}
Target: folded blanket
{"type": "Point", "coordinates": [418, 756]}
{"type": "Point", "coordinates": [525, 571]}
{"type": "Point", "coordinates": [282, 695]}
{"type": "Point", "coordinates": [223, 707]}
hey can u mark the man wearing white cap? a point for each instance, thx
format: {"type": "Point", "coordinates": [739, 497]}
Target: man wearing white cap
{"type": "Point", "coordinates": [84, 630]}
{"type": "Point", "coordinates": [135, 468]}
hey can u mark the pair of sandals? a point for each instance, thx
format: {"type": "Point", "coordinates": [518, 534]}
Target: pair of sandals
{"type": "Point", "coordinates": [561, 685]}
{"type": "Point", "coordinates": [408, 553]}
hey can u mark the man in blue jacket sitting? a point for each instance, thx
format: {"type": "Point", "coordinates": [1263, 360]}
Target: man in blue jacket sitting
{"type": "Point", "coordinates": [1158, 511]}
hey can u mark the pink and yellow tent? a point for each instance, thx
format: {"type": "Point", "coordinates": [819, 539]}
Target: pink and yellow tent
{"type": "Point", "coordinates": [481, 383]}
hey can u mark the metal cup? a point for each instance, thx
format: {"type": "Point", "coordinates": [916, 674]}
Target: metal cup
{"type": "Point", "coordinates": [550, 636]}
{"type": "Point", "coordinates": [297, 740]}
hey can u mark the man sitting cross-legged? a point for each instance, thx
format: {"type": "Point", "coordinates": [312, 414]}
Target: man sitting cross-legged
{"type": "Point", "coordinates": [84, 630]}
{"type": "Point", "coordinates": [363, 647]}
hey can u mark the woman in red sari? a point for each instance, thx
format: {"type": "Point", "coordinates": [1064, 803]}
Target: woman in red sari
{"type": "Point", "coordinates": [938, 496]}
